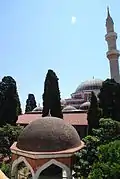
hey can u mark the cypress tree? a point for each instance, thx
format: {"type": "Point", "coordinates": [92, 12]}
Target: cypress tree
{"type": "Point", "coordinates": [30, 103]}
{"type": "Point", "coordinates": [18, 110]}
{"type": "Point", "coordinates": [10, 107]}
{"type": "Point", "coordinates": [93, 114]}
{"type": "Point", "coordinates": [51, 96]}
{"type": "Point", "coordinates": [2, 100]}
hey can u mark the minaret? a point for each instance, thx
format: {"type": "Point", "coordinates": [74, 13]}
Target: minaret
{"type": "Point", "coordinates": [113, 53]}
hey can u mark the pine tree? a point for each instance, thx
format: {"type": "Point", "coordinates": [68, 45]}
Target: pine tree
{"type": "Point", "coordinates": [93, 114]}
{"type": "Point", "coordinates": [51, 96]}
{"type": "Point", "coordinates": [30, 103]}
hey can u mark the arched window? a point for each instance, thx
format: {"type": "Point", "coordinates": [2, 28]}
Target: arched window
{"type": "Point", "coordinates": [52, 171]}
{"type": "Point", "coordinates": [21, 169]}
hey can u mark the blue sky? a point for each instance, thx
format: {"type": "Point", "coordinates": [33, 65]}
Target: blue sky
{"type": "Point", "coordinates": [37, 35]}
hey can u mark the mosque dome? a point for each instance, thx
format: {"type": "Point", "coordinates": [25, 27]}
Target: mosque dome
{"type": "Point", "coordinates": [69, 108]}
{"type": "Point", "coordinates": [93, 84]}
{"type": "Point", "coordinates": [37, 109]}
{"type": "Point", "coordinates": [48, 134]}
{"type": "Point", "coordinates": [63, 102]}
{"type": "Point", "coordinates": [85, 106]}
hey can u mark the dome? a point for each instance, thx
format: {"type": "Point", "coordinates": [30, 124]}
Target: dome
{"type": "Point", "coordinates": [85, 105]}
{"type": "Point", "coordinates": [37, 109]}
{"type": "Point", "coordinates": [69, 108]}
{"type": "Point", "coordinates": [63, 102]}
{"type": "Point", "coordinates": [48, 134]}
{"type": "Point", "coordinates": [90, 85]}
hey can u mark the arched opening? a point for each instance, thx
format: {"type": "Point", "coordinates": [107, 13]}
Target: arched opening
{"type": "Point", "coordinates": [51, 172]}
{"type": "Point", "coordinates": [21, 169]}
{"type": "Point", "coordinates": [53, 169]}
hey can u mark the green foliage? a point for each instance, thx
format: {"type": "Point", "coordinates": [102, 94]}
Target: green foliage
{"type": "Point", "coordinates": [94, 114]}
{"type": "Point", "coordinates": [109, 130]}
{"type": "Point", "coordinates": [8, 135]}
{"type": "Point", "coordinates": [30, 103]}
{"type": "Point", "coordinates": [108, 163]}
{"type": "Point", "coordinates": [18, 108]}
{"type": "Point", "coordinates": [6, 169]}
{"type": "Point", "coordinates": [110, 99]}
{"type": "Point", "coordinates": [51, 96]}
{"type": "Point", "coordinates": [10, 106]}
{"type": "Point", "coordinates": [84, 158]}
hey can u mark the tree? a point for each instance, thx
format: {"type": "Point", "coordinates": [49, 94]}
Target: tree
{"type": "Point", "coordinates": [108, 131]}
{"type": "Point", "coordinates": [108, 163]}
{"type": "Point", "coordinates": [30, 103]}
{"type": "Point", "coordinates": [110, 99]}
{"type": "Point", "coordinates": [51, 96]}
{"type": "Point", "coordinates": [94, 114]}
{"type": "Point", "coordinates": [84, 159]}
{"type": "Point", "coordinates": [18, 109]}
{"type": "Point", "coordinates": [10, 106]}
{"type": "Point", "coordinates": [8, 135]}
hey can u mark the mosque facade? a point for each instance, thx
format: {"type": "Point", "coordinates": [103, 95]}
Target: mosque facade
{"type": "Point", "coordinates": [80, 99]}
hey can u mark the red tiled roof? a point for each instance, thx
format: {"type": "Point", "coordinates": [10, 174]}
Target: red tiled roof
{"type": "Point", "coordinates": [71, 118]}
{"type": "Point", "coordinates": [76, 118]}
{"type": "Point", "coordinates": [27, 118]}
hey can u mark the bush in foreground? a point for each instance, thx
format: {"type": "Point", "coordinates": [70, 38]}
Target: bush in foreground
{"type": "Point", "coordinates": [108, 163]}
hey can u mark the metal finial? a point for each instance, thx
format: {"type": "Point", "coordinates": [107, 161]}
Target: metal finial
{"type": "Point", "coordinates": [108, 12]}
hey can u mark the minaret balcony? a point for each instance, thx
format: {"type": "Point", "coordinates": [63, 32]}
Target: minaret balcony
{"type": "Point", "coordinates": [113, 54]}
{"type": "Point", "coordinates": [110, 35]}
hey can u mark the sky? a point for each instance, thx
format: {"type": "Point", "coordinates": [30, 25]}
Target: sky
{"type": "Point", "coordinates": [66, 36]}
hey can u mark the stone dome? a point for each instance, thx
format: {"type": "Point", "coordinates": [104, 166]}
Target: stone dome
{"type": "Point", "coordinates": [69, 108]}
{"type": "Point", "coordinates": [48, 134]}
{"type": "Point", "coordinates": [94, 84]}
{"type": "Point", "coordinates": [85, 105]}
{"type": "Point", "coordinates": [37, 109]}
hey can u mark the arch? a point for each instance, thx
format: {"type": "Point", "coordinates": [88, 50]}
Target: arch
{"type": "Point", "coordinates": [55, 162]}
{"type": "Point", "coordinates": [17, 162]}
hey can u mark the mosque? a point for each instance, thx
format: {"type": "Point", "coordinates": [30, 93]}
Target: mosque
{"type": "Point", "coordinates": [80, 98]}
{"type": "Point", "coordinates": [47, 145]}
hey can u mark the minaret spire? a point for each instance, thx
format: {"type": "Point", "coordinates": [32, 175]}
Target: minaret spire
{"type": "Point", "coordinates": [113, 53]}
{"type": "Point", "coordinates": [109, 22]}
